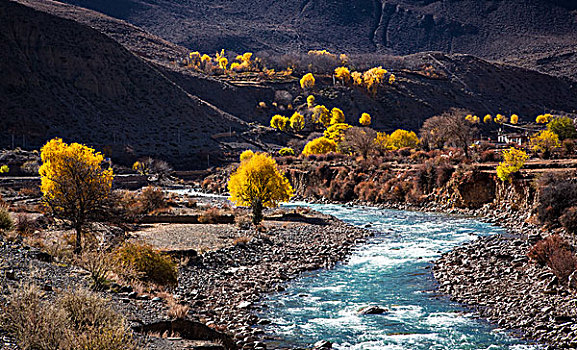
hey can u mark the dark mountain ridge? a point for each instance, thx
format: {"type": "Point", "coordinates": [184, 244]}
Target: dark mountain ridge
{"type": "Point", "coordinates": [86, 77]}
{"type": "Point", "coordinates": [510, 30]}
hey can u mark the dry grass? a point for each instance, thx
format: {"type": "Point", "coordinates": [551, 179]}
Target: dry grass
{"type": "Point", "coordinates": [73, 321]}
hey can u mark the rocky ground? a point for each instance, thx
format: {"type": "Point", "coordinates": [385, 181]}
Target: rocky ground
{"type": "Point", "coordinates": [224, 285]}
{"type": "Point", "coordinates": [221, 287]}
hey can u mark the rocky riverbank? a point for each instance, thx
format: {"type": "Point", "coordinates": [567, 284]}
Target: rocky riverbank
{"type": "Point", "coordinates": [224, 286]}
{"type": "Point", "coordinates": [494, 276]}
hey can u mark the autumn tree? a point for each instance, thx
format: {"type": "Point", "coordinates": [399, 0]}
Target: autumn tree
{"type": "Point", "coordinates": [543, 118]}
{"type": "Point", "coordinates": [335, 132]}
{"type": "Point", "coordinates": [307, 81]}
{"type": "Point", "coordinates": [279, 122]}
{"type": "Point", "coordinates": [297, 121]}
{"type": "Point", "coordinates": [365, 119]}
{"type": "Point", "coordinates": [382, 141]}
{"type": "Point", "coordinates": [343, 74]}
{"type": "Point", "coordinates": [321, 115]}
{"type": "Point", "coordinates": [500, 119]}
{"type": "Point", "coordinates": [4, 169]}
{"type": "Point", "coordinates": [403, 138]}
{"type": "Point", "coordinates": [544, 142]}
{"type": "Point", "coordinates": [514, 119]}
{"type": "Point", "coordinates": [373, 77]}
{"type": "Point", "coordinates": [74, 183]}
{"type": "Point", "coordinates": [513, 161]}
{"type": "Point", "coordinates": [337, 116]}
{"type": "Point", "coordinates": [246, 155]}
{"type": "Point", "coordinates": [564, 127]}
{"type": "Point", "coordinates": [258, 183]}
{"type": "Point", "coordinates": [310, 101]}
{"type": "Point", "coordinates": [472, 119]}
{"type": "Point", "coordinates": [487, 119]}
{"type": "Point", "coordinates": [448, 129]}
{"type": "Point", "coordinates": [321, 145]}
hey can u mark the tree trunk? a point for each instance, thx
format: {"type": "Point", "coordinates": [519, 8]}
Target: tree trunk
{"type": "Point", "coordinates": [78, 243]}
{"type": "Point", "coordinates": [256, 211]}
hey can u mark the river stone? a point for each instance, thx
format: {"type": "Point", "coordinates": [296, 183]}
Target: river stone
{"type": "Point", "coordinates": [372, 310]}
{"type": "Point", "coordinates": [573, 280]}
{"type": "Point", "coordinates": [323, 344]}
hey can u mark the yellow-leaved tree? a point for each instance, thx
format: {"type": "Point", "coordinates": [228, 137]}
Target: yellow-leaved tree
{"type": "Point", "coordinates": [513, 161]}
{"type": "Point", "coordinates": [258, 183]}
{"type": "Point", "coordinates": [514, 119]}
{"type": "Point", "coordinates": [310, 101]}
{"type": "Point", "coordinates": [322, 115]}
{"type": "Point", "coordinates": [487, 119]}
{"type": "Point", "coordinates": [343, 73]}
{"type": "Point", "coordinates": [321, 145]}
{"type": "Point", "coordinates": [307, 81]}
{"type": "Point", "coordinates": [246, 155]}
{"type": "Point", "coordinates": [297, 121]}
{"type": "Point", "coordinates": [335, 132]}
{"type": "Point", "coordinates": [403, 138]}
{"type": "Point", "coordinates": [279, 122]}
{"type": "Point", "coordinates": [500, 119]}
{"type": "Point", "coordinates": [337, 116]}
{"type": "Point", "coordinates": [4, 169]}
{"type": "Point", "coordinates": [544, 118]}
{"type": "Point", "coordinates": [544, 142]}
{"type": "Point", "coordinates": [74, 183]}
{"type": "Point", "coordinates": [365, 119]}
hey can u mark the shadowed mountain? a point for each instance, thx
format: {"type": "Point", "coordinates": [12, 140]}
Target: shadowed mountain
{"type": "Point", "coordinates": [493, 29]}
{"type": "Point", "coordinates": [63, 78]}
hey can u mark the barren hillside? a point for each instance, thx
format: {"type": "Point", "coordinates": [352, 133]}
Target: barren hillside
{"type": "Point", "coordinates": [492, 29]}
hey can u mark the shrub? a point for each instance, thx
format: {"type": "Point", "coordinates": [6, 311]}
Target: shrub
{"type": "Point", "coordinates": [556, 195]}
{"type": "Point", "coordinates": [569, 147]}
{"type": "Point", "coordinates": [74, 321]}
{"type": "Point", "coordinates": [545, 142]}
{"type": "Point", "coordinates": [286, 151]}
{"type": "Point", "coordinates": [426, 177]}
{"type": "Point", "coordinates": [152, 198]}
{"type": "Point", "coordinates": [556, 253]}
{"type": "Point", "coordinates": [542, 251]}
{"type": "Point", "coordinates": [6, 222]}
{"type": "Point", "coordinates": [444, 173]}
{"type": "Point", "coordinates": [563, 262]}
{"type": "Point", "coordinates": [25, 226]}
{"type": "Point", "coordinates": [210, 216]}
{"type": "Point", "coordinates": [99, 265]}
{"type": "Point", "coordinates": [569, 220]}
{"type": "Point", "coordinates": [488, 156]}
{"type": "Point", "coordinates": [149, 264]}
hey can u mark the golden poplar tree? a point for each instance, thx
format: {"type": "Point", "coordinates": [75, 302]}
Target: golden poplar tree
{"type": "Point", "coordinates": [365, 119]}
{"type": "Point", "coordinates": [74, 183]}
{"type": "Point", "coordinates": [321, 145]}
{"type": "Point", "coordinates": [307, 81]}
{"type": "Point", "coordinates": [258, 183]}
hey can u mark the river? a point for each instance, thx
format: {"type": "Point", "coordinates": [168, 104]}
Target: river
{"type": "Point", "coordinates": [392, 270]}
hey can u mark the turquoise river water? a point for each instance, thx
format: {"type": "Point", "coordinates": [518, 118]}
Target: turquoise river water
{"type": "Point", "coordinates": [392, 270]}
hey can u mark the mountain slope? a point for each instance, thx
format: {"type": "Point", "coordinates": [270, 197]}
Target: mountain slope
{"type": "Point", "coordinates": [490, 29]}
{"type": "Point", "coordinates": [63, 78]}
